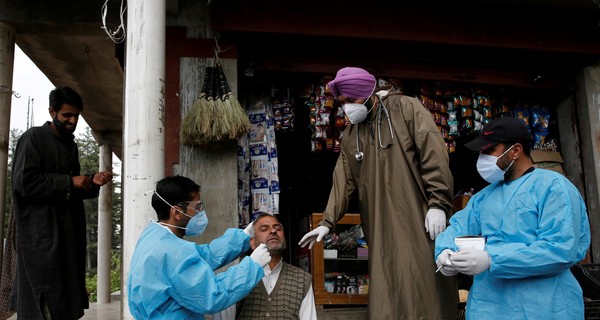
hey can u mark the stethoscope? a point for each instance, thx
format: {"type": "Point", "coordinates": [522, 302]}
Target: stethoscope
{"type": "Point", "coordinates": [359, 155]}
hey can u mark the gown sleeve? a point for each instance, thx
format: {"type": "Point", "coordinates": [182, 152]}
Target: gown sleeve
{"type": "Point", "coordinates": [225, 249]}
{"type": "Point", "coordinates": [341, 191]}
{"type": "Point", "coordinates": [462, 223]}
{"type": "Point", "coordinates": [561, 228]}
{"type": "Point", "coordinates": [431, 148]}
{"type": "Point", "coordinates": [196, 287]}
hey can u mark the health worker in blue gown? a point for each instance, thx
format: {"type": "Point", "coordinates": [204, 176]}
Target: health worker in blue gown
{"type": "Point", "coordinates": [172, 278]}
{"type": "Point", "coordinates": [535, 225]}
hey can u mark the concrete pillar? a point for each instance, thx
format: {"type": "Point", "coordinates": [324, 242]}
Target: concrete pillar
{"type": "Point", "coordinates": [7, 59]}
{"type": "Point", "coordinates": [588, 112]}
{"type": "Point", "coordinates": [104, 228]}
{"type": "Point", "coordinates": [143, 125]}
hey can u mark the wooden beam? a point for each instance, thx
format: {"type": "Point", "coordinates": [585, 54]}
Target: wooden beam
{"type": "Point", "coordinates": [526, 27]}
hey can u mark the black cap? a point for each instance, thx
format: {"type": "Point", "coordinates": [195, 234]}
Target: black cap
{"type": "Point", "coordinates": [507, 130]}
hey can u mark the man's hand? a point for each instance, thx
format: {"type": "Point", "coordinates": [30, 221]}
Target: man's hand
{"type": "Point", "coordinates": [81, 182]}
{"type": "Point", "coordinates": [102, 178]}
{"type": "Point", "coordinates": [435, 222]}
{"type": "Point", "coordinates": [471, 261]}
{"type": "Point", "coordinates": [316, 234]}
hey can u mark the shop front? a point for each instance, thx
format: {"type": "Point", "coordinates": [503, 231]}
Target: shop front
{"type": "Point", "coordinates": [465, 69]}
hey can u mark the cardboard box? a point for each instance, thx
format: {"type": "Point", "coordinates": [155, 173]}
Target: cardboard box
{"type": "Point", "coordinates": [330, 285]}
{"type": "Point", "coordinates": [550, 160]}
{"type": "Point", "coordinates": [330, 254]}
{"type": "Point", "coordinates": [362, 252]}
{"type": "Point", "coordinates": [460, 202]}
{"type": "Point", "coordinates": [347, 254]}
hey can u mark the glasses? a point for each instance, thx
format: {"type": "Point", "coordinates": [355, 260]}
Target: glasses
{"type": "Point", "coordinates": [195, 205]}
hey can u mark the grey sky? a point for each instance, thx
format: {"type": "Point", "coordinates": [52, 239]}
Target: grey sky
{"type": "Point", "coordinates": [30, 83]}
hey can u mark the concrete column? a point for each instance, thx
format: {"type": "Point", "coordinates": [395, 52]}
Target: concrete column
{"type": "Point", "coordinates": [7, 59]}
{"type": "Point", "coordinates": [143, 134]}
{"type": "Point", "coordinates": [104, 228]}
{"type": "Point", "coordinates": [588, 112]}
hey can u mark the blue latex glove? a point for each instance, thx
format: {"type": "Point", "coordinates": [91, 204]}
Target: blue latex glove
{"type": "Point", "coordinates": [471, 261]}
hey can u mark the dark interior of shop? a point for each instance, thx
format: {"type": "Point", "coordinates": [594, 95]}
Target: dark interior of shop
{"type": "Point", "coordinates": [305, 175]}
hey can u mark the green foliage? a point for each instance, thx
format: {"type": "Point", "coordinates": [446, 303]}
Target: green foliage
{"type": "Point", "coordinates": [91, 284]}
{"type": "Point", "coordinates": [89, 161]}
{"type": "Point", "coordinates": [91, 281]}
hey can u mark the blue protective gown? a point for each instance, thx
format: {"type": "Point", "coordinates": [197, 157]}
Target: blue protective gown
{"type": "Point", "coordinates": [172, 278]}
{"type": "Point", "coordinates": [536, 228]}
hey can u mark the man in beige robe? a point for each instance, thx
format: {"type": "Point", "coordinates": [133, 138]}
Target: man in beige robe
{"type": "Point", "coordinates": [393, 158]}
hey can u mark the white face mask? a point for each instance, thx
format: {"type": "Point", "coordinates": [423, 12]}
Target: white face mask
{"type": "Point", "coordinates": [356, 112]}
{"type": "Point", "coordinates": [488, 169]}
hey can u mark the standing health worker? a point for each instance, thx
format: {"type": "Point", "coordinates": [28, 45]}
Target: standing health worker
{"type": "Point", "coordinates": [536, 227]}
{"type": "Point", "coordinates": [393, 157]}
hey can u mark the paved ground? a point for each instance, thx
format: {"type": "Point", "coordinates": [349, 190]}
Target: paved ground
{"type": "Point", "coordinates": [104, 311]}
{"type": "Point", "coordinates": [108, 311]}
{"type": "Point", "coordinates": [112, 311]}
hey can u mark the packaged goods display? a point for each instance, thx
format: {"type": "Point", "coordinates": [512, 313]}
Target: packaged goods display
{"type": "Point", "coordinates": [336, 282]}
{"type": "Point", "coordinates": [326, 120]}
{"type": "Point", "coordinates": [258, 180]}
{"type": "Point", "coordinates": [458, 110]}
{"type": "Point", "coordinates": [462, 111]}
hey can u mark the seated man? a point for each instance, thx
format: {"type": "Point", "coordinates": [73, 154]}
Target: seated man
{"type": "Point", "coordinates": [285, 292]}
{"type": "Point", "coordinates": [171, 278]}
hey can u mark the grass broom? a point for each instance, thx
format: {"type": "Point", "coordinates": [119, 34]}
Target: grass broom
{"type": "Point", "coordinates": [235, 119]}
{"type": "Point", "coordinates": [197, 126]}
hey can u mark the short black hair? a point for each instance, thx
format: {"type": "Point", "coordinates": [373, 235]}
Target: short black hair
{"type": "Point", "coordinates": [264, 214]}
{"type": "Point", "coordinates": [65, 95]}
{"type": "Point", "coordinates": [174, 190]}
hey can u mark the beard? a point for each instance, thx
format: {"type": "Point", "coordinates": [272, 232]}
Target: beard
{"type": "Point", "coordinates": [276, 246]}
{"type": "Point", "coordinates": [63, 127]}
{"type": "Point", "coordinates": [509, 164]}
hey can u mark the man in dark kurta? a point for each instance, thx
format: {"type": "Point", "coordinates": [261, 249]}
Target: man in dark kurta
{"type": "Point", "coordinates": [48, 193]}
{"type": "Point", "coordinates": [404, 187]}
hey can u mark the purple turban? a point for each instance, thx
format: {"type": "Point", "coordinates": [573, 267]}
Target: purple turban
{"type": "Point", "coordinates": [352, 82]}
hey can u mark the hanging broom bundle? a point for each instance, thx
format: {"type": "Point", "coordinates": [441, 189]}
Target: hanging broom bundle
{"type": "Point", "coordinates": [235, 119]}
{"type": "Point", "coordinates": [216, 116]}
{"type": "Point", "coordinates": [196, 125]}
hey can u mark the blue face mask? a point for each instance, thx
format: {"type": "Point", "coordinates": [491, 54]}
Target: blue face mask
{"type": "Point", "coordinates": [197, 224]}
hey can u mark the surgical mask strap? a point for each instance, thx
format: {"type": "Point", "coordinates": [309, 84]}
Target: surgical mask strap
{"type": "Point", "coordinates": [369, 98]}
{"type": "Point", "coordinates": [170, 225]}
{"type": "Point", "coordinates": [170, 205]}
{"type": "Point", "coordinates": [502, 155]}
